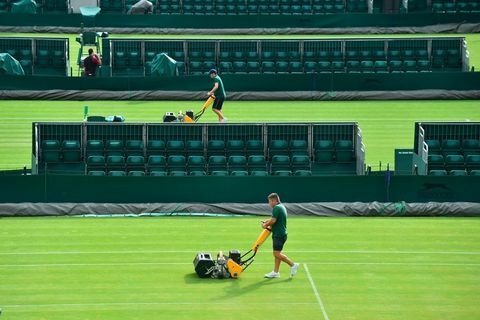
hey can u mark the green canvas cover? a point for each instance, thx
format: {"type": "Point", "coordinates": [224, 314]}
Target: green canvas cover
{"type": "Point", "coordinates": [9, 65]}
{"type": "Point", "coordinates": [24, 6]}
{"type": "Point", "coordinates": [163, 65]}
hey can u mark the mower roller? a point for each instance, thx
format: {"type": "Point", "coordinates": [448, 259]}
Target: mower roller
{"type": "Point", "coordinates": [230, 266]}
{"type": "Point", "coordinates": [197, 115]}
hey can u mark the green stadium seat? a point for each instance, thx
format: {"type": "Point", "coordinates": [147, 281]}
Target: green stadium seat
{"type": "Point", "coordinates": [344, 151]}
{"type": "Point", "coordinates": [471, 147]}
{"type": "Point", "coordinates": [194, 148]}
{"type": "Point", "coordinates": [135, 163]}
{"type": "Point", "coordinates": [259, 173]}
{"type": "Point", "coordinates": [176, 163]}
{"type": "Point", "coordinates": [454, 162]}
{"type": "Point", "coordinates": [116, 173]}
{"type": "Point", "coordinates": [239, 56]}
{"type": "Point", "coordinates": [155, 147]}
{"type": "Point", "coordinates": [379, 55]}
{"type": "Point", "coordinates": [253, 67]}
{"type": "Point", "coordinates": [196, 173]}
{"type": "Point", "coordinates": [175, 147]}
{"type": "Point", "coordinates": [423, 65]}
{"type": "Point", "coordinates": [257, 163]}
{"type": "Point", "coordinates": [208, 55]}
{"type": "Point", "coordinates": [302, 173]}
{"type": "Point", "coordinates": [408, 54]}
{"type": "Point", "coordinates": [119, 60]}
{"type": "Point", "coordinates": [254, 147]}
{"type": "Point", "coordinates": [421, 54]}
{"type": "Point", "coordinates": [294, 56]}
{"type": "Point", "coordinates": [281, 56]}
{"type": "Point", "coordinates": [268, 56]}
{"type": "Point", "coordinates": [43, 58]}
{"type": "Point", "coordinates": [436, 161]}
{"type": "Point", "coordinates": [114, 148]}
{"type": "Point", "coordinates": [472, 162]}
{"type": "Point", "coordinates": [219, 173]}
{"type": "Point", "coordinates": [310, 66]}
{"type": "Point", "coordinates": [457, 173]}
{"type": "Point", "coordinates": [217, 163]}
{"type": "Point", "coordinates": [96, 162]}
{"type": "Point", "coordinates": [409, 66]}
{"type": "Point", "coordinates": [71, 151]}
{"type": "Point", "coordinates": [239, 173]}
{"type": "Point", "coordinates": [451, 147]}
{"type": "Point", "coordinates": [454, 59]}
{"type": "Point", "coordinates": [366, 55]}
{"type": "Point", "coordinates": [296, 67]}
{"type": "Point", "coordinates": [195, 67]}
{"type": "Point", "coordinates": [309, 55]}
{"type": "Point", "coordinates": [324, 67]}
{"type": "Point", "coordinates": [134, 148]}
{"type": "Point", "coordinates": [235, 148]}
{"type": "Point", "coordinates": [298, 147]}
{"type": "Point", "coordinates": [158, 173]}
{"type": "Point", "coordinates": [97, 173]}
{"type": "Point", "coordinates": [237, 163]}
{"type": "Point", "coordinates": [280, 163]}
{"type": "Point", "coordinates": [196, 163]}
{"type": "Point", "coordinates": [338, 66]}
{"type": "Point", "coordinates": [394, 55]}
{"type": "Point", "coordinates": [278, 147]}
{"type": "Point", "coordinates": [475, 173]}
{"type": "Point", "coordinates": [395, 66]}
{"type": "Point", "coordinates": [438, 58]}
{"type": "Point", "coordinates": [433, 146]}
{"type": "Point", "coordinates": [51, 151]}
{"type": "Point", "coordinates": [268, 67]}
{"type": "Point", "coordinates": [207, 65]}
{"type": "Point", "coordinates": [437, 173]}
{"type": "Point", "coordinates": [352, 55]}
{"type": "Point", "coordinates": [324, 151]}
{"type": "Point", "coordinates": [367, 66]}
{"type": "Point", "coordinates": [177, 173]}
{"type": "Point", "coordinates": [300, 163]}
{"type": "Point", "coordinates": [226, 67]}
{"type": "Point", "coordinates": [216, 147]}
{"type": "Point", "coordinates": [353, 66]}
{"type": "Point", "coordinates": [134, 59]}
{"type": "Point", "coordinates": [136, 173]}
{"type": "Point", "coordinates": [239, 67]}
{"type": "Point", "coordinates": [282, 173]}
{"type": "Point", "coordinates": [281, 67]}
{"type": "Point", "coordinates": [252, 56]}
{"type": "Point", "coordinates": [307, 9]}
{"type": "Point", "coordinates": [380, 66]}
{"type": "Point", "coordinates": [115, 163]}
{"type": "Point", "coordinates": [226, 55]}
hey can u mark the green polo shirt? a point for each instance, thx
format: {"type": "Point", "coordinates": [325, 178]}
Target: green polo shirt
{"type": "Point", "coordinates": [220, 92]}
{"type": "Point", "coordinates": [279, 229]}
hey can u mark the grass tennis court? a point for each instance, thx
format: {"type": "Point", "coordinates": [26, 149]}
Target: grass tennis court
{"type": "Point", "coordinates": [386, 125]}
{"type": "Point", "coordinates": [127, 268]}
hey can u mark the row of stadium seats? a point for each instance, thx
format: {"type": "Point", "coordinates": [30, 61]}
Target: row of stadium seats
{"type": "Point", "coordinates": [156, 173]}
{"type": "Point", "coordinates": [454, 173]}
{"type": "Point", "coordinates": [453, 147]}
{"type": "Point", "coordinates": [179, 163]}
{"type": "Point", "coordinates": [454, 6]}
{"type": "Point", "coordinates": [454, 162]}
{"type": "Point", "coordinates": [70, 150]}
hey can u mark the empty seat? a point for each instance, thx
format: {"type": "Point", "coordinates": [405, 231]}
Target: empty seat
{"type": "Point", "coordinates": [311, 66]}
{"type": "Point", "coordinates": [278, 147]}
{"type": "Point", "coordinates": [302, 173]}
{"type": "Point", "coordinates": [344, 151]}
{"type": "Point", "coordinates": [235, 148]}
{"type": "Point", "coordinates": [472, 162]}
{"type": "Point", "coordinates": [176, 163]}
{"type": "Point", "coordinates": [134, 148]}
{"type": "Point", "coordinates": [96, 162]}
{"type": "Point", "coordinates": [280, 163]}
{"type": "Point", "coordinates": [437, 173]}
{"type": "Point", "coordinates": [196, 163]}
{"type": "Point", "coordinates": [216, 147]}
{"type": "Point", "coordinates": [471, 147]}
{"type": "Point", "coordinates": [298, 147]}
{"type": "Point", "coordinates": [457, 173]}
{"type": "Point", "coordinates": [253, 67]}
{"type": "Point", "coordinates": [175, 147]}
{"type": "Point", "coordinates": [380, 66]}
{"type": "Point", "coordinates": [451, 146]}
{"type": "Point", "coordinates": [435, 161]}
{"type": "Point", "coordinates": [116, 173]}
{"type": "Point", "coordinates": [71, 151]}
{"type": "Point", "coordinates": [197, 173]}
{"type": "Point", "coordinates": [177, 173]}
{"type": "Point", "coordinates": [217, 163]}
{"type": "Point", "coordinates": [97, 173]}
{"type": "Point", "coordinates": [194, 148]}
{"type": "Point", "coordinates": [300, 162]}
{"type": "Point", "coordinates": [324, 151]}
{"type": "Point", "coordinates": [257, 163]}
{"type": "Point", "coordinates": [115, 163]}
{"type": "Point", "coordinates": [239, 67]}
{"type": "Point", "coordinates": [433, 146]}
{"type": "Point", "coordinates": [136, 173]}
{"type": "Point", "coordinates": [237, 163]}
{"type": "Point", "coordinates": [254, 147]}
{"type": "Point", "coordinates": [50, 151]}
{"type": "Point", "coordinates": [114, 148]}
{"type": "Point", "coordinates": [282, 173]}
{"type": "Point", "coordinates": [259, 173]}
{"type": "Point", "coordinates": [220, 173]}
{"type": "Point", "coordinates": [324, 66]}
{"type": "Point", "coordinates": [268, 67]}
{"type": "Point", "coordinates": [156, 147]}
{"type": "Point", "coordinates": [158, 173]}
{"type": "Point", "coordinates": [157, 163]}
{"type": "Point", "coordinates": [135, 163]}
{"type": "Point", "coordinates": [454, 162]}
{"type": "Point", "coordinates": [239, 173]}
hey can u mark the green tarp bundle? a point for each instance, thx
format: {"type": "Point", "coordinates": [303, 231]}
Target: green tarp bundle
{"type": "Point", "coordinates": [9, 65]}
{"type": "Point", "coordinates": [24, 6]}
{"type": "Point", "coordinates": [163, 65]}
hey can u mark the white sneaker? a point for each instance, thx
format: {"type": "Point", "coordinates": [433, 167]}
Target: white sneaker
{"type": "Point", "coordinates": [294, 269]}
{"type": "Point", "coordinates": [272, 275]}
{"type": "Point", "coordinates": [224, 120]}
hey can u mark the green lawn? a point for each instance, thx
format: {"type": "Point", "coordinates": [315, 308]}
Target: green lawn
{"type": "Point", "coordinates": [473, 40]}
{"type": "Point", "coordinates": [386, 125]}
{"type": "Point", "coordinates": [127, 268]}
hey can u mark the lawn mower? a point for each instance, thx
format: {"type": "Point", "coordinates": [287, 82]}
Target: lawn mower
{"type": "Point", "coordinates": [189, 116]}
{"type": "Point", "coordinates": [230, 266]}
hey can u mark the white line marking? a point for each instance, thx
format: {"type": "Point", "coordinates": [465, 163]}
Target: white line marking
{"type": "Point", "coordinates": [195, 251]}
{"type": "Point", "coordinates": [258, 263]}
{"type": "Point", "coordinates": [141, 303]}
{"type": "Point", "coordinates": [317, 295]}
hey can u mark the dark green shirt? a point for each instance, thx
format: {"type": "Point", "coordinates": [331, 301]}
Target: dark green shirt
{"type": "Point", "coordinates": [220, 92]}
{"type": "Point", "coordinates": [279, 229]}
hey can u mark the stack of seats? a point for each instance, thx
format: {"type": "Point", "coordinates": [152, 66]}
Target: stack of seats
{"type": "Point", "coordinates": [453, 157]}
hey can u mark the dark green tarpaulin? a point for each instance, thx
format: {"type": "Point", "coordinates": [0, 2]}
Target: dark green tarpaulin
{"type": "Point", "coordinates": [9, 65]}
{"type": "Point", "coordinates": [24, 6]}
{"type": "Point", "coordinates": [163, 65]}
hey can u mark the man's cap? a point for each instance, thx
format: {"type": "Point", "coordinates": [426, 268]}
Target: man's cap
{"type": "Point", "coordinates": [212, 71]}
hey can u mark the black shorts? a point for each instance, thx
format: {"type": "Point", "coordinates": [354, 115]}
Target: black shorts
{"type": "Point", "coordinates": [278, 243]}
{"type": "Point", "coordinates": [218, 103]}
